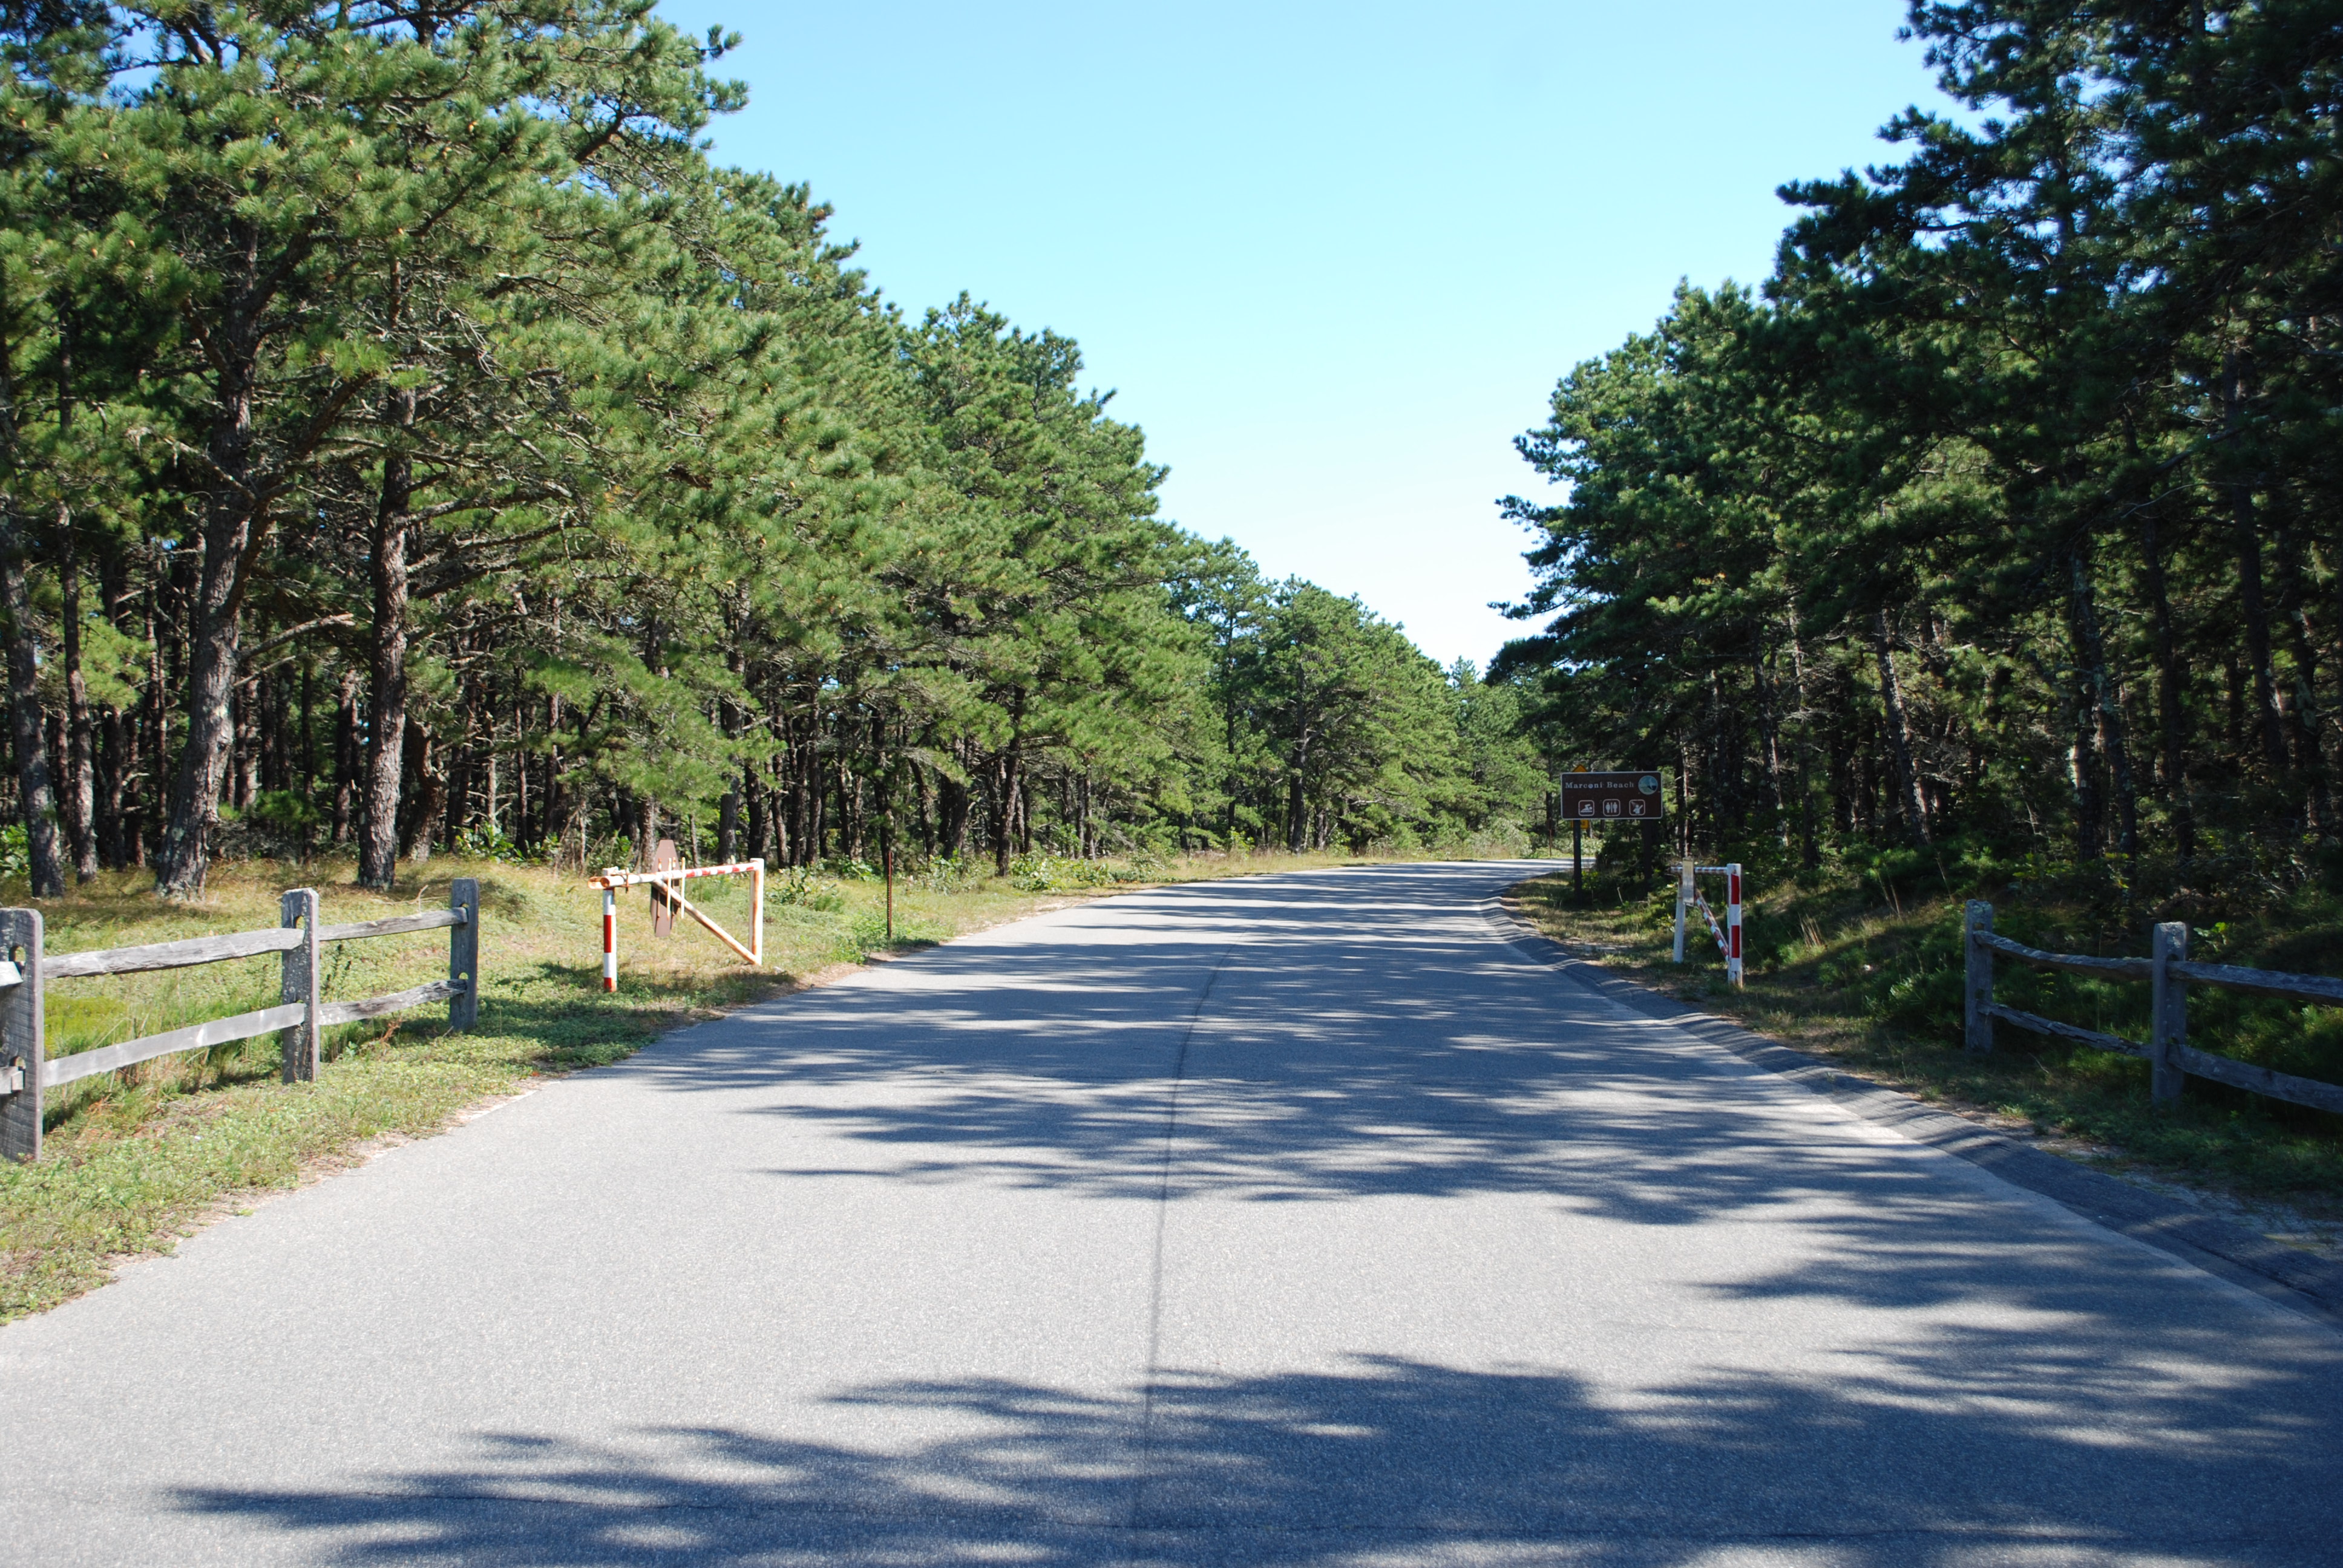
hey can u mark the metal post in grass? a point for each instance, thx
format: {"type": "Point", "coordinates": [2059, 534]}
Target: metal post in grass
{"type": "Point", "coordinates": [464, 953]}
{"type": "Point", "coordinates": [297, 1046]}
{"type": "Point", "coordinates": [1732, 923]}
{"type": "Point", "coordinates": [1683, 903]}
{"type": "Point", "coordinates": [22, 1053]}
{"type": "Point", "coordinates": [610, 930]}
{"type": "Point", "coordinates": [2169, 1001]}
{"type": "Point", "coordinates": [1977, 990]}
{"type": "Point", "coordinates": [756, 918]}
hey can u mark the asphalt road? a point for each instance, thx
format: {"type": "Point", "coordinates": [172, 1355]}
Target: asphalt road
{"type": "Point", "coordinates": [1294, 1220]}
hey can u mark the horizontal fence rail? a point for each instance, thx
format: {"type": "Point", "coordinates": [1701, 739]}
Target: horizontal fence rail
{"type": "Point", "coordinates": [62, 1069]}
{"type": "Point", "coordinates": [26, 1069]}
{"type": "Point", "coordinates": [236, 945]}
{"type": "Point", "coordinates": [2166, 968]}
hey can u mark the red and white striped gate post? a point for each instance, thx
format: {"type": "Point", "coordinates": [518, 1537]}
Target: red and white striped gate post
{"type": "Point", "coordinates": [609, 939]}
{"type": "Point", "coordinates": [1728, 936]}
{"type": "Point", "coordinates": [1732, 923]}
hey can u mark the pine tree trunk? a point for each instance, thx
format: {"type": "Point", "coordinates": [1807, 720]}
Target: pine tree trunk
{"type": "Point", "coordinates": [149, 747]}
{"type": "Point", "coordinates": [427, 800]}
{"type": "Point", "coordinates": [386, 670]}
{"type": "Point", "coordinates": [2083, 775]}
{"type": "Point", "coordinates": [35, 796]}
{"type": "Point", "coordinates": [113, 766]}
{"type": "Point", "coordinates": [952, 810]}
{"type": "Point", "coordinates": [1005, 793]}
{"type": "Point", "coordinates": [2302, 713]}
{"type": "Point", "coordinates": [347, 762]}
{"type": "Point", "coordinates": [80, 800]}
{"type": "Point", "coordinates": [1899, 733]}
{"type": "Point", "coordinates": [2090, 655]}
{"type": "Point", "coordinates": [1769, 730]}
{"type": "Point", "coordinates": [234, 526]}
{"type": "Point", "coordinates": [184, 855]}
{"type": "Point", "coordinates": [1810, 848]}
{"type": "Point", "coordinates": [78, 803]}
{"type": "Point", "coordinates": [117, 739]}
{"type": "Point", "coordinates": [2246, 536]}
{"type": "Point", "coordinates": [2169, 711]}
{"type": "Point", "coordinates": [811, 797]}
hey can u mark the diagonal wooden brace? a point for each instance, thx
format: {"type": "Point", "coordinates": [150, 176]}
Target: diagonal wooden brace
{"type": "Point", "coordinates": [675, 892]}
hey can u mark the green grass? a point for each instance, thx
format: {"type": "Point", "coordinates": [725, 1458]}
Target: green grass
{"type": "Point", "coordinates": [1870, 976]}
{"type": "Point", "coordinates": [137, 1158]}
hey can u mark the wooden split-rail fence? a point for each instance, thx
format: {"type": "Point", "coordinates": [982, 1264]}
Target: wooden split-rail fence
{"type": "Point", "coordinates": [2168, 970]}
{"type": "Point", "coordinates": [26, 1071]}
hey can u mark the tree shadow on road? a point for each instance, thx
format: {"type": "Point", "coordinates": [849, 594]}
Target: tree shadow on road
{"type": "Point", "coordinates": [1381, 1460]}
{"type": "Point", "coordinates": [1301, 1041]}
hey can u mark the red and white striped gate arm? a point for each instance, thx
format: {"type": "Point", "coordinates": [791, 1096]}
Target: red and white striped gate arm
{"type": "Point", "coordinates": [613, 879]}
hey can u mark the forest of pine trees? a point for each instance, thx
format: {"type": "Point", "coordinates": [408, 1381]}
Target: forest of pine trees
{"type": "Point", "coordinates": [2008, 514]}
{"type": "Point", "coordinates": [410, 437]}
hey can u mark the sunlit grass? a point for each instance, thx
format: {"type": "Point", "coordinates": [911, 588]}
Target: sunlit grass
{"type": "Point", "coordinates": [1878, 990]}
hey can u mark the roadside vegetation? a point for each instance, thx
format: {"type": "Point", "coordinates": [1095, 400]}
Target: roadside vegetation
{"type": "Point", "coordinates": [137, 1158]}
{"type": "Point", "coordinates": [1860, 960]}
{"type": "Point", "coordinates": [1992, 546]}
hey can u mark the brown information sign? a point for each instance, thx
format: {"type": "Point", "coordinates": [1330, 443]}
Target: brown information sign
{"type": "Point", "coordinates": [1612, 797]}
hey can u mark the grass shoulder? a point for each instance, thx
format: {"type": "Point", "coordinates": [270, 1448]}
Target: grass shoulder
{"type": "Point", "coordinates": [1869, 976]}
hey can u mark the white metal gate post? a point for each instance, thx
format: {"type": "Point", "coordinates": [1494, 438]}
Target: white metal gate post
{"type": "Point", "coordinates": [756, 921]}
{"type": "Point", "coordinates": [1683, 901]}
{"type": "Point", "coordinates": [1732, 923]}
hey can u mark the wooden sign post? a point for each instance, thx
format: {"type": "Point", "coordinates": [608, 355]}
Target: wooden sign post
{"type": "Point", "coordinates": [663, 904]}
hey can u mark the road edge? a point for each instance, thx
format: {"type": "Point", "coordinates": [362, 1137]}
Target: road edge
{"type": "Point", "coordinates": [2289, 1276]}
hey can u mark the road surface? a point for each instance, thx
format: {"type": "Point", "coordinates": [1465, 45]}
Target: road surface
{"type": "Point", "coordinates": [1304, 1220]}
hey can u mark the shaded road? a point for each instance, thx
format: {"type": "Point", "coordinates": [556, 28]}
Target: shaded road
{"type": "Point", "coordinates": [1293, 1219]}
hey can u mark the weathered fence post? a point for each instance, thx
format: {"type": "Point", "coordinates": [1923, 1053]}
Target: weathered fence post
{"type": "Point", "coordinates": [1976, 992]}
{"type": "Point", "coordinates": [298, 1046]}
{"type": "Point", "coordinates": [2170, 1004]}
{"type": "Point", "coordinates": [663, 899]}
{"type": "Point", "coordinates": [464, 953]}
{"type": "Point", "coordinates": [1683, 901]}
{"type": "Point", "coordinates": [22, 1053]}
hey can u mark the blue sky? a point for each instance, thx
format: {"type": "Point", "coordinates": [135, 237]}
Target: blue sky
{"type": "Point", "coordinates": [1332, 258]}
